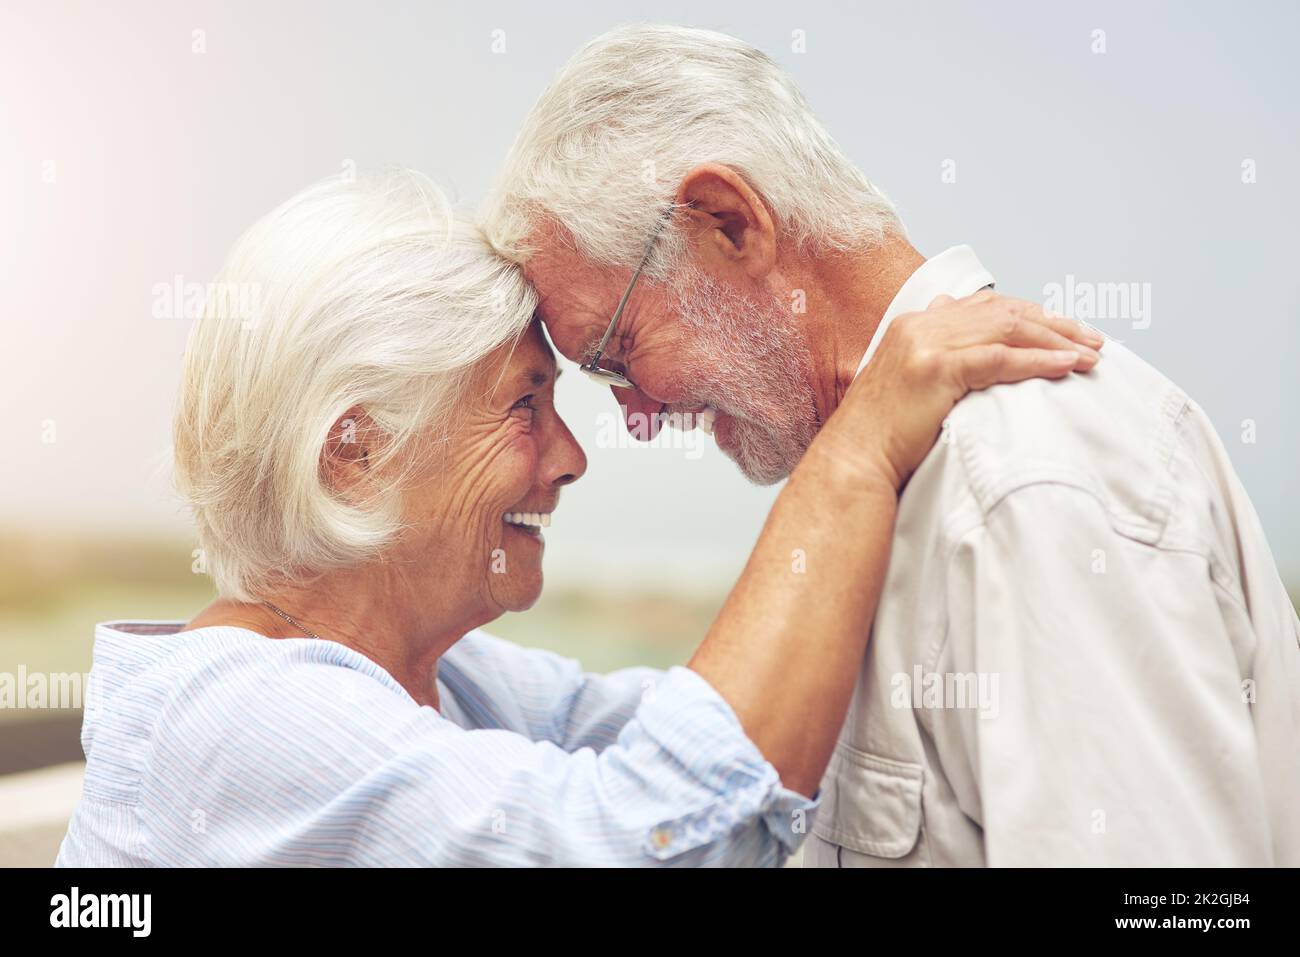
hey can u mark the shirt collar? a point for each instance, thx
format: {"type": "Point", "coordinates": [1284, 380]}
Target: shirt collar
{"type": "Point", "coordinates": [954, 272]}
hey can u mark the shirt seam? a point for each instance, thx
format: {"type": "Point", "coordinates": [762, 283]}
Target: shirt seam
{"type": "Point", "coordinates": [1149, 525]}
{"type": "Point", "coordinates": [956, 539]}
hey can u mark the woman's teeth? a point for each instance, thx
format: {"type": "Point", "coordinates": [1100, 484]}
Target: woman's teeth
{"type": "Point", "coordinates": [528, 519]}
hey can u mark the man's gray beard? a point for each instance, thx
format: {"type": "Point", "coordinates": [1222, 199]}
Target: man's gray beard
{"type": "Point", "coordinates": [748, 359]}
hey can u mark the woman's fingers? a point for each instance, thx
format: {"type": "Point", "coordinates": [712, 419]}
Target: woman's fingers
{"type": "Point", "coordinates": [1029, 333]}
{"type": "Point", "coordinates": [987, 318]}
{"type": "Point", "coordinates": [982, 366]}
{"type": "Point", "coordinates": [1008, 312]}
{"type": "Point", "coordinates": [928, 360]}
{"type": "Point", "coordinates": [1072, 329]}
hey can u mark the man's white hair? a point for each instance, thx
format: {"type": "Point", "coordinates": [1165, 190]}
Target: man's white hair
{"type": "Point", "coordinates": [369, 294]}
{"type": "Point", "coordinates": [603, 151]}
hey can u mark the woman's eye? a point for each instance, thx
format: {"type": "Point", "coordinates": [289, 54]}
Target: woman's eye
{"type": "Point", "coordinates": [524, 409]}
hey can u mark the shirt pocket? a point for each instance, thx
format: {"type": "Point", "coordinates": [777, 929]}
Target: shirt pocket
{"type": "Point", "coordinates": [872, 805]}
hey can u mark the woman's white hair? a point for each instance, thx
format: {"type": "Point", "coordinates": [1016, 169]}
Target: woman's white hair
{"type": "Point", "coordinates": [603, 151]}
{"type": "Point", "coordinates": [368, 294]}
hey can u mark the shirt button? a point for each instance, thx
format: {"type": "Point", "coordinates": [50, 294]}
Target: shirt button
{"type": "Point", "coordinates": [661, 837]}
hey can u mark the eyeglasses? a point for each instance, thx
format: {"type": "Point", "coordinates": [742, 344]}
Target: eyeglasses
{"type": "Point", "coordinates": [592, 367]}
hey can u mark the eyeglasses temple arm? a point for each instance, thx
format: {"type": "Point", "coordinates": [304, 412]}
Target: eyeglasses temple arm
{"type": "Point", "coordinates": [627, 293]}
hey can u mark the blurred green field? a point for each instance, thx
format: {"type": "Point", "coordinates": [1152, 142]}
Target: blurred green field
{"type": "Point", "coordinates": [54, 590]}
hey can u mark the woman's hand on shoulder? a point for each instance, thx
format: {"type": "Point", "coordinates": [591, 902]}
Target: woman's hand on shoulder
{"type": "Point", "coordinates": [927, 361]}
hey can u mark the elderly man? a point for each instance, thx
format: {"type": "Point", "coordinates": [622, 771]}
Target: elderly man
{"type": "Point", "coordinates": [1082, 653]}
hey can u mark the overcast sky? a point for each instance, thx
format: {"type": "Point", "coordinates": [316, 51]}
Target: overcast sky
{"type": "Point", "coordinates": [1154, 144]}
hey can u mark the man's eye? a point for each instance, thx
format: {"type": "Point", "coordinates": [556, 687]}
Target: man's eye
{"type": "Point", "coordinates": [613, 365]}
{"type": "Point", "coordinates": [525, 403]}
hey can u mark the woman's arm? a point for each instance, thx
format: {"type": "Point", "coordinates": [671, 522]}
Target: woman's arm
{"type": "Point", "coordinates": [784, 652]}
{"type": "Point", "coordinates": [283, 754]}
{"type": "Point", "coordinates": [541, 694]}
{"type": "Point", "coordinates": [785, 649]}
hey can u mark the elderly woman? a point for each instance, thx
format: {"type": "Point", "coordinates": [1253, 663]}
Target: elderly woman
{"type": "Point", "coordinates": [370, 459]}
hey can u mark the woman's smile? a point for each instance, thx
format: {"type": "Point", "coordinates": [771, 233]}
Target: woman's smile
{"type": "Point", "coordinates": [528, 523]}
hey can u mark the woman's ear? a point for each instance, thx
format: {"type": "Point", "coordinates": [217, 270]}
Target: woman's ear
{"type": "Point", "coordinates": [345, 459]}
{"type": "Point", "coordinates": [732, 227]}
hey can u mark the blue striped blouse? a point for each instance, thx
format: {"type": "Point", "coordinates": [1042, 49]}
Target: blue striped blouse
{"type": "Point", "coordinates": [219, 747]}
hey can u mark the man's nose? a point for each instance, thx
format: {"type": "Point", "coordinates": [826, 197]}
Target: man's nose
{"type": "Point", "coordinates": [642, 415]}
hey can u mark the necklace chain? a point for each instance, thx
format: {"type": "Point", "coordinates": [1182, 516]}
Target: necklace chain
{"type": "Point", "coordinates": [292, 621]}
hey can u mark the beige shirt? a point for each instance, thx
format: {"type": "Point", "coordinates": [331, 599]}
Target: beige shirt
{"type": "Point", "coordinates": [1083, 654]}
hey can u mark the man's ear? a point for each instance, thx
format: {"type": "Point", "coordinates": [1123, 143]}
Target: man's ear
{"type": "Point", "coordinates": [731, 225]}
{"type": "Point", "coordinates": [345, 459]}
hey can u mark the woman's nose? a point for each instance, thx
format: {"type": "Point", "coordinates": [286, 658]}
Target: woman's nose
{"type": "Point", "coordinates": [565, 462]}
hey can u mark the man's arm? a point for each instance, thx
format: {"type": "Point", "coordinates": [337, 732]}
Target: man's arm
{"type": "Point", "coordinates": [1115, 732]}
